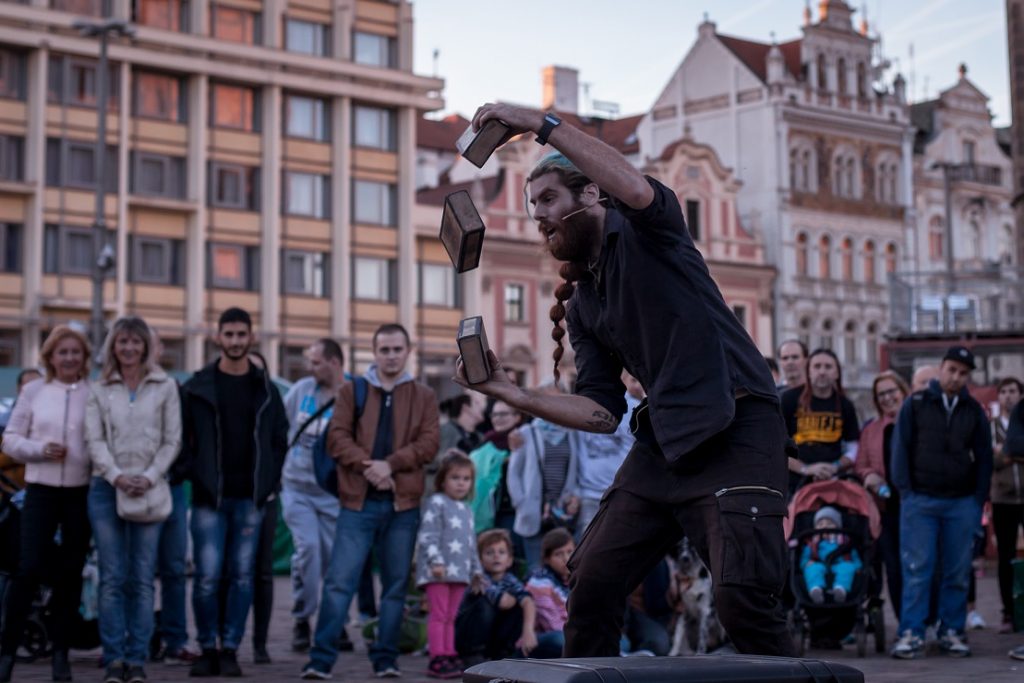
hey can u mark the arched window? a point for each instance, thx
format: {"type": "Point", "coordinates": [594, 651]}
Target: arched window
{"type": "Point", "coordinates": [826, 333]}
{"type": "Point", "coordinates": [850, 343]}
{"type": "Point", "coordinates": [822, 73]}
{"type": "Point", "coordinates": [890, 258]}
{"type": "Point", "coordinates": [872, 345]}
{"type": "Point", "coordinates": [894, 171]}
{"type": "Point", "coordinates": [825, 257]}
{"type": "Point", "coordinates": [839, 176]}
{"type": "Point", "coordinates": [805, 331]}
{"type": "Point", "coordinates": [805, 170]}
{"type": "Point", "coordinates": [846, 260]}
{"type": "Point", "coordinates": [794, 157]}
{"type": "Point", "coordinates": [862, 80]}
{"type": "Point", "coordinates": [936, 238]}
{"type": "Point", "coordinates": [841, 73]}
{"type": "Point", "coordinates": [850, 174]}
{"type": "Point", "coordinates": [801, 254]}
{"type": "Point", "coordinates": [974, 246]}
{"type": "Point", "coordinates": [869, 262]}
{"type": "Point", "coordinates": [800, 164]}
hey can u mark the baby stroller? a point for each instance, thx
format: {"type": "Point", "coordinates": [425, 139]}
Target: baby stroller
{"type": "Point", "coordinates": [35, 641]}
{"type": "Point", "coordinates": [831, 620]}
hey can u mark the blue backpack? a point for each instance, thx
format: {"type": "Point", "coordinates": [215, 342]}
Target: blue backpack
{"type": "Point", "coordinates": [325, 469]}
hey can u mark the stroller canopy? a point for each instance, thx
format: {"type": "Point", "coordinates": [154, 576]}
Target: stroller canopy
{"type": "Point", "coordinates": [845, 494]}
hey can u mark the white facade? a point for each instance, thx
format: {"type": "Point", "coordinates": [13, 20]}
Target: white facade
{"type": "Point", "coordinates": [824, 154]}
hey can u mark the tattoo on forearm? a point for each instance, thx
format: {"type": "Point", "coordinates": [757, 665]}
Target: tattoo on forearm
{"type": "Point", "coordinates": [602, 421]}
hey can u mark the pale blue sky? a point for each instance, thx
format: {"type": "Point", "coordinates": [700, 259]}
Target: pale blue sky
{"type": "Point", "coordinates": [626, 50]}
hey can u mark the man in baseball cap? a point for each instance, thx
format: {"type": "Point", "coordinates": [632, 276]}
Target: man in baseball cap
{"type": "Point", "coordinates": [942, 467]}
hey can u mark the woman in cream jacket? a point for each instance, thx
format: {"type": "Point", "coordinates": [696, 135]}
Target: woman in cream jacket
{"type": "Point", "coordinates": [133, 428]}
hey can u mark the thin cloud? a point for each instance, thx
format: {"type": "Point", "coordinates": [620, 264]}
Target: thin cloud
{"type": "Point", "coordinates": [749, 11]}
{"type": "Point", "coordinates": [914, 21]}
{"type": "Point", "coordinates": [955, 44]}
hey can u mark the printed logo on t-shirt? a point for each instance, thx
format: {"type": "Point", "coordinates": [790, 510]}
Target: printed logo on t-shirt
{"type": "Point", "coordinates": [307, 408]}
{"type": "Point", "coordinates": [818, 427]}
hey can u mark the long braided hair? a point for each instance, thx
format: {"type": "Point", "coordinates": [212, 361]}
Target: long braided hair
{"type": "Point", "coordinates": [806, 394]}
{"type": "Point", "coordinates": [571, 271]}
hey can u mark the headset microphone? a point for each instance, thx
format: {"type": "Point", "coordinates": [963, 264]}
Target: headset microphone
{"type": "Point", "coordinates": [581, 210]}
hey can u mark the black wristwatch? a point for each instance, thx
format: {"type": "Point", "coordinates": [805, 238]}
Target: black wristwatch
{"type": "Point", "coordinates": [550, 121]}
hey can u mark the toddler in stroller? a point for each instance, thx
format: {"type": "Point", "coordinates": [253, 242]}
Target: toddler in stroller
{"type": "Point", "coordinates": [831, 528]}
{"type": "Point", "coordinates": [826, 555]}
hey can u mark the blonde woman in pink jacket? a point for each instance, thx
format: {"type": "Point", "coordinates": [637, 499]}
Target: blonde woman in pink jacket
{"type": "Point", "coordinates": [47, 433]}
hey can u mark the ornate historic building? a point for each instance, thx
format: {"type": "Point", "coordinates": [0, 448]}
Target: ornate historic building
{"type": "Point", "coordinates": [823, 149]}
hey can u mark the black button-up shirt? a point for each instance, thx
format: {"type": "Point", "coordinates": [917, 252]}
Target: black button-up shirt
{"type": "Point", "coordinates": [652, 308]}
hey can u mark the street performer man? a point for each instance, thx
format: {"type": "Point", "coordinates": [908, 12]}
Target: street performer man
{"type": "Point", "coordinates": [709, 461]}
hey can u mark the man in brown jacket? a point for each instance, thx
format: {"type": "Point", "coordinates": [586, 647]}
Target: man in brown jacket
{"type": "Point", "coordinates": [380, 481]}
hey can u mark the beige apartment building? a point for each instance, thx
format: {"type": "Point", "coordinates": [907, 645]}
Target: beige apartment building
{"type": "Point", "coordinates": [262, 154]}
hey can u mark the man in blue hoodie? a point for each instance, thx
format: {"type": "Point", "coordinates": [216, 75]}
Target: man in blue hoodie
{"type": "Point", "coordinates": [942, 466]}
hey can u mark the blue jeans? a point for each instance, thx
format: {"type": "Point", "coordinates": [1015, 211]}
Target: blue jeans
{"type": "Point", "coordinates": [171, 569]}
{"type": "Point", "coordinates": [224, 541]}
{"type": "Point", "coordinates": [127, 561]}
{"type": "Point", "coordinates": [393, 534]}
{"type": "Point", "coordinates": [936, 530]}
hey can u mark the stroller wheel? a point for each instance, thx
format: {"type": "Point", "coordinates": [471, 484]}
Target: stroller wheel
{"type": "Point", "coordinates": [862, 637]}
{"type": "Point", "coordinates": [877, 618]}
{"type": "Point", "coordinates": [798, 630]}
{"type": "Point", "coordinates": [35, 642]}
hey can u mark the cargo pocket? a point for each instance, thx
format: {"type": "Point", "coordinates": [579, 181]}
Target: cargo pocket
{"type": "Point", "coordinates": [753, 544]}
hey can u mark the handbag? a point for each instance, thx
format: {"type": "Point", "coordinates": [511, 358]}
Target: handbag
{"type": "Point", "coordinates": [152, 506]}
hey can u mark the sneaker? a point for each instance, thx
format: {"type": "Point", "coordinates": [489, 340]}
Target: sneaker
{"type": "Point", "coordinates": [437, 668]}
{"type": "Point", "coordinates": [260, 655]}
{"type": "Point", "coordinates": [838, 594]}
{"type": "Point", "coordinates": [817, 595]}
{"type": "Point", "coordinates": [180, 657]}
{"type": "Point", "coordinates": [207, 665]}
{"type": "Point", "coordinates": [389, 670]}
{"type": "Point", "coordinates": [311, 673]}
{"type": "Point", "coordinates": [1017, 652]}
{"type": "Point", "coordinates": [135, 674]}
{"type": "Point", "coordinates": [115, 672]}
{"type": "Point", "coordinates": [975, 621]}
{"type": "Point", "coordinates": [301, 641]}
{"type": "Point", "coordinates": [954, 644]}
{"type": "Point", "coordinates": [908, 646]}
{"type": "Point", "coordinates": [229, 663]}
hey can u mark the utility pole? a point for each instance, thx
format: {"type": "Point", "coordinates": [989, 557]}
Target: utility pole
{"type": "Point", "coordinates": [103, 251]}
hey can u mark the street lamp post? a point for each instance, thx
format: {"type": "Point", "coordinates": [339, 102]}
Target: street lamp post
{"type": "Point", "coordinates": [102, 250]}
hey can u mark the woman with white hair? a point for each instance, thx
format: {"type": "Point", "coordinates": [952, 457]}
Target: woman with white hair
{"type": "Point", "coordinates": [133, 431]}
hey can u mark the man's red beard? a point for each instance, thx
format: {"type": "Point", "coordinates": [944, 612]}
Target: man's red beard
{"type": "Point", "coordinates": [573, 240]}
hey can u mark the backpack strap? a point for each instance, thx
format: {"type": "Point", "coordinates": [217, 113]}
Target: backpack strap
{"type": "Point", "coordinates": [312, 418]}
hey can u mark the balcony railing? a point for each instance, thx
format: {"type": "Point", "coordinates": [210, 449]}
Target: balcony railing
{"type": "Point", "coordinates": [978, 301]}
{"type": "Point", "coordinates": [975, 173]}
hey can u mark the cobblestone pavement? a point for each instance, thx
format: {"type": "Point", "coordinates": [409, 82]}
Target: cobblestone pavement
{"type": "Point", "coordinates": [989, 662]}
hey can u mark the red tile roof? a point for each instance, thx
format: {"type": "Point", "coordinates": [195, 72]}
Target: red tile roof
{"type": "Point", "coordinates": [434, 196]}
{"type": "Point", "coordinates": [618, 133]}
{"type": "Point", "coordinates": [755, 55]}
{"type": "Point", "coordinates": [441, 135]}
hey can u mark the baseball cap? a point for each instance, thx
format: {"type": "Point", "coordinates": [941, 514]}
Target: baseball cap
{"type": "Point", "coordinates": [961, 354]}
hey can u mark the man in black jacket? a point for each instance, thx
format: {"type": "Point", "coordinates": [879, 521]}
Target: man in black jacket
{"type": "Point", "coordinates": [942, 467]}
{"type": "Point", "coordinates": [235, 436]}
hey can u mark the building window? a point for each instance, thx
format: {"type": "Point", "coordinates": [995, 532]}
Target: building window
{"type": "Point", "coordinates": [846, 260]}
{"type": "Point", "coordinates": [84, 8]}
{"type": "Point", "coordinates": [841, 73]}
{"type": "Point", "coordinates": [515, 303]}
{"type": "Point", "coordinates": [968, 151]}
{"type": "Point", "coordinates": [307, 194]}
{"type": "Point", "coordinates": [825, 257]}
{"type": "Point", "coordinates": [159, 96]}
{"type": "Point", "coordinates": [307, 37]}
{"type": "Point", "coordinates": [375, 128]}
{"type": "Point", "coordinates": [233, 266]}
{"type": "Point", "coordinates": [306, 117]}
{"type": "Point", "coordinates": [10, 247]}
{"type": "Point", "coordinates": [890, 258]}
{"type": "Point", "coordinates": [872, 345]}
{"type": "Point", "coordinates": [1006, 244]}
{"type": "Point", "coordinates": [740, 311]}
{"type": "Point", "coordinates": [166, 14]}
{"type": "Point", "coordinates": [157, 175]}
{"type": "Point", "coordinates": [292, 363]}
{"type": "Point", "coordinates": [12, 74]}
{"type": "Point", "coordinates": [375, 203]}
{"type": "Point", "coordinates": [72, 82]}
{"type": "Point", "coordinates": [826, 333]}
{"type": "Point", "coordinates": [375, 279]}
{"type": "Point", "coordinates": [439, 286]}
{"type": "Point", "coordinates": [800, 169]}
{"type": "Point", "coordinates": [850, 343]}
{"type": "Point", "coordinates": [801, 254]}
{"type": "Point", "coordinates": [862, 80]}
{"type": "Point", "coordinates": [72, 163]}
{"type": "Point", "coordinates": [374, 50]}
{"type": "Point", "coordinates": [68, 250]}
{"type": "Point", "coordinates": [805, 331]}
{"type": "Point", "coordinates": [233, 186]}
{"type": "Point", "coordinates": [936, 238]}
{"type": "Point", "coordinates": [304, 272]}
{"type": "Point", "coordinates": [822, 73]}
{"type": "Point", "coordinates": [693, 218]}
{"type": "Point", "coordinates": [869, 262]}
{"type": "Point", "coordinates": [233, 106]}
{"type": "Point", "coordinates": [12, 157]}
{"type": "Point", "coordinates": [234, 24]}
{"type": "Point", "coordinates": [156, 260]}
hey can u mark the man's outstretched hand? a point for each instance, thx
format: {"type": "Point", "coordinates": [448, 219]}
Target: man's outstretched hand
{"type": "Point", "coordinates": [519, 119]}
{"type": "Point", "coordinates": [499, 385]}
